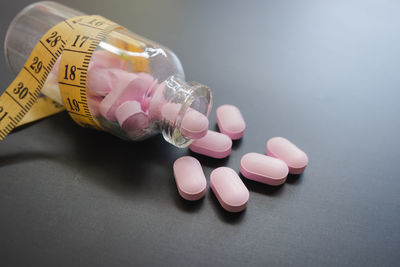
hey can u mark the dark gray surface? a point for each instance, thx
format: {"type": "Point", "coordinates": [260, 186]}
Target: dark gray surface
{"type": "Point", "coordinates": [324, 74]}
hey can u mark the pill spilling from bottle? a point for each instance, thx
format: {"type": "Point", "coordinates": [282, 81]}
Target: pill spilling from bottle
{"type": "Point", "coordinates": [113, 80]}
{"type": "Point", "coordinates": [136, 102]}
{"type": "Point", "coordinates": [107, 77]}
{"type": "Point", "coordinates": [128, 98]}
{"type": "Point", "coordinates": [283, 157]}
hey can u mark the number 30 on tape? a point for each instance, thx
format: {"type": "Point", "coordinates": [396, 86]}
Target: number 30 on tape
{"type": "Point", "coordinates": [75, 40]}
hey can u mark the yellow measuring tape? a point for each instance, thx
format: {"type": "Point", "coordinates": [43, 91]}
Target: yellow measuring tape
{"type": "Point", "coordinates": [75, 40]}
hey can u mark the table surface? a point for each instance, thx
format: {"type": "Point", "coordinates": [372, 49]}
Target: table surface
{"type": "Point", "coordinates": [324, 74]}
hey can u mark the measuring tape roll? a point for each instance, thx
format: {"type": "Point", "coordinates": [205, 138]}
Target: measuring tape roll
{"type": "Point", "coordinates": [75, 39]}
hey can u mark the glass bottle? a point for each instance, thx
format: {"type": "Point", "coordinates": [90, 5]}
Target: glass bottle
{"type": "Point", "coordinates": [152, 95]}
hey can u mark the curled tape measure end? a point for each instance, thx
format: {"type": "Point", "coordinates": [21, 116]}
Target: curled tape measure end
{"type": "Point", "coordinates": [75, 40]}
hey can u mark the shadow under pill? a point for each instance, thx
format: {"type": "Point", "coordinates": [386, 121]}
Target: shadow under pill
{"type": "Point", "coordinates": [208, 161]}
{"type": "Point", "coordinates": [216, 128]}
{"type": "Point", "coordinates": [119, 165]}
{"type": "Point", "coordinates": [294, 179]}
{"type": "Point", "coordinates": [225, 216]}
{"type": "Point", "coordinates": [262, 188]}
{"type": "Point", "coordinates": [16, 158]}
{"type": "Point", "coordinates": [236, 143]}
{"type": "Point", "coordinates": [186, 205]}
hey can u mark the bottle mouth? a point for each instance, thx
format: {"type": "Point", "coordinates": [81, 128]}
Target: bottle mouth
{"type": "Point", "coordinates": [190, 99]}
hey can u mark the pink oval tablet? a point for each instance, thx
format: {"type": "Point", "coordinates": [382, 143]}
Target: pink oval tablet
{"type": "Point", "coordinates": [131, 117]}
{"type": "Point", "coordinates": [189, 177]}
{"type": "Point", "coordinates": [230, 121]}
{"type": "Point", "coordinates": [229, 189]}
{"type": "Point", "coordinates": [151, 85]}
{"type": "Point", "coordinates": [100, 81]}
{"type": "Point", "coordinates": [294, 157]}
{"type": "Point", "coordinates": [194, 124]}
{"type": "Point", "coordinates": [170, 112]}
{"type": "Point", "coordinates": [147, 78]}
{"type": "Point", "coordinates": [126, 87]}
{"type": "Point", "coordinates": [156, 102]}
{"type": "Point", "coordinates": [263, 169]}
{"type": "Point", "coordinates": [94, 102]}
{"type": "Point", "coordinates": [215, 145]}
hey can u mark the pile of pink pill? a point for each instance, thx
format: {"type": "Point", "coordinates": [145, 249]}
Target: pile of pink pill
{"type": "Point", "coordinates": [282, 157]}
{"type": "Point", "coordinates": [134, 100]}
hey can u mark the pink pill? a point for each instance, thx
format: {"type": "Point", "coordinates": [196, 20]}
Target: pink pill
{"type": "Point", "coordinates": [127, 87]}
{"type": "Point", "coordinates": [215, 145]}
{"type": "Point", "coordinates": [157, 101]}
{"type": "Point", "coordinates": [131, 118]}
{"type": "Point", "coordinates": [230, 121]}
{"type": "Point", "coordinates": [94, 103]}
{"type": "Point", "coordinates": [263, 169]}
{"type": "Point", "coordinates": [194, 124]}
{"type": "Point", "coordinates": [147, 78]}
{"type": "Point", "coordinates": [189, 177]}
{"type": "Point", "coordinates": [100, 81]}
{"type": "Point", "coordinates": [229, 189]}
{"type": "Point", "coordinates": [152, 85]}
{"type": "Point", "coordinates": [294, 157]}
{"type": "Point", "coordinates": [170, 112]}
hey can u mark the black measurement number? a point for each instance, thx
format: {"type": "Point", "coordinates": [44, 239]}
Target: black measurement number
{"type": "Point", "coordinates": [37, 65]}
{"type": "Point", "coordinates": [80, 38]}
{"type": "Point", "coordinates": [3, 113]}
{"type": "Point", "coordinates": [96, 22]}
{"type": "Point", "coordinates": [53, 39]}
{"type": "Point", "coordinates": [73, 104]}
{"type": "Point", "coordinates": [70, 72]}
{"type": "Point", "coordinates": [21, 91]}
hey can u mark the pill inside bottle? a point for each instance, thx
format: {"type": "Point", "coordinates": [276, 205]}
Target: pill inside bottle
{"type": "Point", "coordinates": [131, 82]}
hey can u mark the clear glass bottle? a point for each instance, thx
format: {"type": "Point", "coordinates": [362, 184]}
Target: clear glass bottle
{"type": "Point", "coordinates": [153, 97]}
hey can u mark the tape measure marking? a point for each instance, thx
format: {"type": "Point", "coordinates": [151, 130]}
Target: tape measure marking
{"type": "Point", "coordinates": [76, 39]}
{"type": "Point", "coordinates": [74, 66]}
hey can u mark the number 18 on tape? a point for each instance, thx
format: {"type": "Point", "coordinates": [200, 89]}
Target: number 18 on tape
{"type": "Point", "coordinates": [104, 76]}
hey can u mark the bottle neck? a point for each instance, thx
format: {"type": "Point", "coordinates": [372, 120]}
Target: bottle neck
{"type": "Point", "coordinates": [180, 98]}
